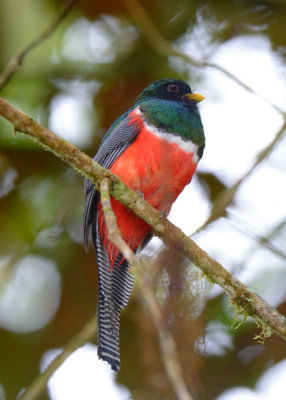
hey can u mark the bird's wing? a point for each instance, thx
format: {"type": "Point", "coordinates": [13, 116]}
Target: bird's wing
{"type": "Point", "coordinates": [115, 284]}
{"type": "Point", "coordinates": [120, 135]}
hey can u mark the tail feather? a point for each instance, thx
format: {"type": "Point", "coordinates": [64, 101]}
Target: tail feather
{"type": "Point", "coordinates": [108, 333]}
{"type": "Point", "coordinates": [122, 283]}
{"type": "Point", "coordinates": [115, 286]}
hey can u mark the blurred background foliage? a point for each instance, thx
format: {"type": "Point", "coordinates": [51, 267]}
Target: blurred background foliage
{"type": "Point", "coordinates": [77, 82]}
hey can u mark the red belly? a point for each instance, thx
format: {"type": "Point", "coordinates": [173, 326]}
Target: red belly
{"type": "Point", "coordinates": [158, 169]}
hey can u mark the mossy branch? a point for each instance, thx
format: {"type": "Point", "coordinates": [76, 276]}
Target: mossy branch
{"type": "Point", "coordinates": [167, 343]}
{"type": "Point", "coordinates": [168, 49]}
{"type": "Point", "coordinates": [247, 302]}
{"type": "Point", "coordinates": [37, 387]}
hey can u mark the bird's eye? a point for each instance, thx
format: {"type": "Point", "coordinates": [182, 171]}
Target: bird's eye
{"type": "Point", "coordinates": [173, 88]}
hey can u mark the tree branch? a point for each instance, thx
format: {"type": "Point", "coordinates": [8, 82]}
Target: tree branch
{"type": "Point", "coordinates": [38, 386]}
{"type": "Point", "coordinates": [164, 47]}
{"type": "Point", "coordinates": [167, 343]}
{"type": "Point", "coordinates": [227, 195]}
{"type": "Point", "coordinates": [114, 234]}
{"type": "Point", "coordinates": [243, 227]}
{"type": "Point", "coordinates": [246, 302]}
{"type": "Point", "coordinates": [16, 62]}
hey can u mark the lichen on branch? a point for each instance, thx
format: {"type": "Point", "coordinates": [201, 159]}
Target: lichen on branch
{"type": "Point", "coordinates": [251, 304]}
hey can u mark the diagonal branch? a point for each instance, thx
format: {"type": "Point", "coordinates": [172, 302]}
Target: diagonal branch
{"type": "Point", "coordinates": [16, 62]}
{"type": "Point", "coordinates": [227, 195]}
{"type": "Point", "coordinates": [167, 343]}
{"type": "Point", "coordinates": [164, 47]}
{"type": "Point", "coordinates": [38, 386]}
{"type": "Point", "coordinates": [264, 240]}
{"type": "Point", "coordinates": [161, 45]}
{"type": "Point", "coordinates": [246, 302]}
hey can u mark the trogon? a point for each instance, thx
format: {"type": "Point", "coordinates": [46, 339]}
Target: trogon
{"type": "Point", "coordinates": [154, 148]}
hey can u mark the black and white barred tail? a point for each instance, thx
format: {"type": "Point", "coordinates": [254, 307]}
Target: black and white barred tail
{"type": "Point", "coordinates": [114, 289]}
{"type": "Point", "coordinates": [115, 284]}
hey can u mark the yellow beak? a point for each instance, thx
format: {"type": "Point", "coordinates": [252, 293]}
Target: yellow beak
{"type": "Point", "coordinates": [194, 97]}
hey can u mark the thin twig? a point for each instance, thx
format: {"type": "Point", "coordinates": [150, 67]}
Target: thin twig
{"type": "Point", "coordinates": [81, 163]}
{"type": "Point", "coordinates": [227, 195]}
{"type": "Point", "coordinates": [114, 234]}
{"type": "Point", "coordinates": [248, 302]}
{"type": "Point", "coordinates": [239, 82]}
{"type": "Point", "coordinates": [15, 63]}
{"type": "Point", "coordinates": [167, 343]}
{"type": "Point", "coordinates": [164, 47]}
{"type": "Point", "coordinates": [246, 229]}
{"type": "Point", "coordinates": [264, 153]}
{"type": "Point", "coordinates": [38, 386]}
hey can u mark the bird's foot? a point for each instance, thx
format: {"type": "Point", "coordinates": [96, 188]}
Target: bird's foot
{"type": "Point", "coordinates": [140, 194]}
{"type": "Point", "coordinates": [163, 214]}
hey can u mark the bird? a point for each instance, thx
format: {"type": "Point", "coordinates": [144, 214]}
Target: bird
{"type": "Point", "coordinates": [154, 148]}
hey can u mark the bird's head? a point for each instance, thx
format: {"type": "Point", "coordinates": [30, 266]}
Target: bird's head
{"type": "Point", "coordinates": [170, 89]}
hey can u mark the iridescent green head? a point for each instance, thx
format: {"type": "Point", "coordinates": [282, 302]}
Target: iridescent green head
{"type": "Point", "coordinates": [170, 105]}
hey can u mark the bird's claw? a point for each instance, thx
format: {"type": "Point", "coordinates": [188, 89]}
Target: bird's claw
{"type": "Point", "coordinates": [163, 214]}
{"type": "Point", "coordinates": [140, 194]}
